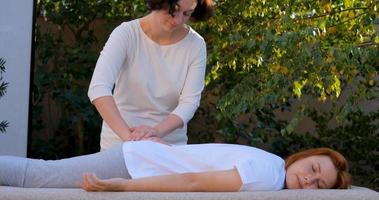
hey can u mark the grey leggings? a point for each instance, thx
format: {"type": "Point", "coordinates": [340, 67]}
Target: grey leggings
{"type": "Point", "coordinates": [65, 173]}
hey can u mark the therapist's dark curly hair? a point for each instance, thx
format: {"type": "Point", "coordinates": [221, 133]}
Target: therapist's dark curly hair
{"type": "Point", "coordinates": [203, 10]}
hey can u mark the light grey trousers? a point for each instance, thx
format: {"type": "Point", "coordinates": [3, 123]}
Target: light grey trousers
{"type": "Point", "coordinates": [64, 173]}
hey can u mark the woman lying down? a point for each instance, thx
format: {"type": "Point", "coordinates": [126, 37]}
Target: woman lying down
{"type": "Point", "coordinates": [152, 166]}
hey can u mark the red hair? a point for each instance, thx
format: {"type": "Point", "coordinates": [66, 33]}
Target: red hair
{"type": "Point", "coordinates": [339, 161]}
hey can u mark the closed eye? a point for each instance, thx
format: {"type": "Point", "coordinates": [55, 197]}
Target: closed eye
{"type": "Point", "coordinates": [313, 169]}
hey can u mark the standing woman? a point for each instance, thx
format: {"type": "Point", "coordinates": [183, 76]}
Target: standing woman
{"type": "Point", "coordinates": [155, 66]}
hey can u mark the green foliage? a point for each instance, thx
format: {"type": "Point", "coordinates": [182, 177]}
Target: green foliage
{"type": "Point", "coordinates": [267, 55]}
{"type": "Point", "coordinates": [3, 90]}
{"type": "Point", "coordinates": [270, 57]}
{"type": "Point", "coordinates": [67, 47]}
{"type": "Point", "coordinates": [279, 50]}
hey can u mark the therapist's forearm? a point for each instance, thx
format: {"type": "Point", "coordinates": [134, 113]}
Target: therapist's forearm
{"type": "Point", "coordinates": [168, 125]}
{"type": "Point", "coordinates": [108, 110]}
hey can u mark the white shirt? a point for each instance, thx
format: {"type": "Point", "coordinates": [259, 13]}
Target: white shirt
{"type": "Point", "coordinates": [151, 80]}
{"type": "Point", "coordinates": [259, 170]}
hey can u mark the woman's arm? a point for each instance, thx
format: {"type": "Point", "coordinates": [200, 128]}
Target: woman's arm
{"type": "Point", "coordinates": [189, 99]}
{"type": "Point", "coordinates": [108, 110]}
{"type": "Point", "coordinates": [109, 64]}
{"type": "Point", "coordinates": [212, 181]}
{"type": "Point", "coordinates": [168, 125]}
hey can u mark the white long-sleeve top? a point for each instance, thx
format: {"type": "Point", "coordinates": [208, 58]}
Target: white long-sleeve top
{"type": "Point", "coordinates": [150, 81]}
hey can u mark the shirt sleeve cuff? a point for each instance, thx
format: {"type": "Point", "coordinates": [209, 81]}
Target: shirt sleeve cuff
{"type": "Point", "coordinates": [98, 91]}
{"type": "Point", "coordinates": [185, 111]}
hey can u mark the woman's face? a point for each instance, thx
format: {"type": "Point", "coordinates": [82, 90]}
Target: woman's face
{"type": "Point", "coordinates": [182, 14]}
{"type": "Point", "coordinates": [313, 172]}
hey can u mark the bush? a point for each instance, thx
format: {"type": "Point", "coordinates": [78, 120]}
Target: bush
{"type": "Point", "coordinates": [270, 57]}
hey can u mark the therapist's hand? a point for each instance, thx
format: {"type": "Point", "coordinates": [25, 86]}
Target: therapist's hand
{"type": "Point", "coordinates": [142, 132]}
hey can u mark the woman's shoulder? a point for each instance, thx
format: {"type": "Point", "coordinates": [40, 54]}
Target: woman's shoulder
{"type": "Point", "coordinates": [195, 36]}
{"type": "Point", "coordinates": [126, 32]}
{"type": "Point", "coordinates": [128, 25]}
